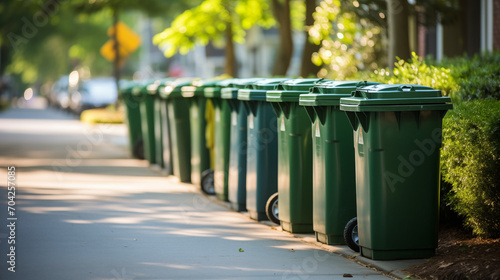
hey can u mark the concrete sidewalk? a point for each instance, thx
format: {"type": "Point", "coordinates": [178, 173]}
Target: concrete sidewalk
{"type": "Point", "coordinates": [86, 210]}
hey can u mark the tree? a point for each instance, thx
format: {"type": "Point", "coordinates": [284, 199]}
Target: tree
{"type": "Point", "coordinates": [348, 42]}
{"type": "Point", "coordinates": [307, 67]}
{"type": "Point", "coordinates": [218, 21]}
{"type": "Point", "coordinates": [397, 21]}
{"type": "Point", "coordinates": [281, 10]}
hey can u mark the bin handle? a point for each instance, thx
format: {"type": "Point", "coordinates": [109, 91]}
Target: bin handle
{"type": "Point", "coordinates": [319, 81]}
{"type": "Point", "coordinates": [314, 89]}
{"type": "Point", "coordinates": [357, 93]}
{"type": "Point", "coordinates": [279, 87]}
{"type": "Point", "coordinates": [406, 88]}
{"type": "Point", "coordinates": [362, 84]}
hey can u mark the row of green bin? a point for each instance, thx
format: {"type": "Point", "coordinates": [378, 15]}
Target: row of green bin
{"type": "Point", "coordinates": [331, 150]}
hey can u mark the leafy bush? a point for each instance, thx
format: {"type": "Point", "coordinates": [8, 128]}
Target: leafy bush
{"type": "Point", "coordinates": [477, 77]}
{"type": "Point", "coordinates": [416, 72]}
{"type": "Point", "coordinates": [471, 164]}
{"type": "Point", "coordinates": [462, 78]}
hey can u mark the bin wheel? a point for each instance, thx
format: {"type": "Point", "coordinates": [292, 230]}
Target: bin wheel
{"type": "Point", "coordinates": [272, 211]}
{"type": "Point", "coordinates": [207, 182]}
{"type": "Point", "coordinates": [138, 151]}
{"type": "Point", "coordinates": [351, 237]}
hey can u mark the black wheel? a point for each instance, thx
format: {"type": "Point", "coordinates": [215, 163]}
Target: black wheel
{"type": "Point", "coordinates": [351, 237]}
{"type": "Point", "coordinates": [272, 211]}
{"type": "Point", "coordinates": [207, 182]}
{"type": "Point", "coordinates": [139, 149]}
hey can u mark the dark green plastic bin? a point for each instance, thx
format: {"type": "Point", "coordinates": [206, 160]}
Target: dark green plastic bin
{"type": "Point", "coordinates": [200, 151]}
{"type": "Point", "coordinates": [177, 109]}
{"type": "Point", "coordinates": [146, 108]}
{"type": "Point", "coordinates": [262, 149]}
{"type": "Point", "coordinates": [235, 189]}
{"type": "Point", "coordinates": [133, 118]}
{"type": "Point", "coordinates": [294, 155]}
{"type": "Point", "coordinates": [334, 181]}
{"type": "Point", "coordinates": [397, 140]}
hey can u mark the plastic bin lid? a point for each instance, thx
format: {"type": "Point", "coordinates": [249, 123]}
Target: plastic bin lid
{"type": "Point", "coordinates": [290, 90]}
{"type": "Point", "coordinates": [152, 88]}
{"type": "Point", "coordinates": [127, 86]}
{"type": "Point", "coordinates": [328, 92]}
{"type": "Point", "coordinates": [257, 90]}
{"type": "Point", "coordinates": [214, 91]}
{"type": "Point", "coordinates": [197, 87]}
{"type": "Point", "coordinates": [141, 87]}
{"type": "Point", "coordinates": [231, 91]}
{"type": "Point", "coordinates": [171, 89]}
{"type": "Point", "coordinates": [384, 97]}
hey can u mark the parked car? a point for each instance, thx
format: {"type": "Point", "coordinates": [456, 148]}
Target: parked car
{"type": "Point", "coordinates": [93, 93]}
{"type": "Point", "coordinates": [59, 96]}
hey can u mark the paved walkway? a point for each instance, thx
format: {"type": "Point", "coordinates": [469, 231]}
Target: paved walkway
{"type": "Point", "coordinates": [85, 210]}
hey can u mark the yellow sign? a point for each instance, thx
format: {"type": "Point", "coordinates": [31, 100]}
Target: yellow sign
{"type": "Point", "coordinates": [128, 42]}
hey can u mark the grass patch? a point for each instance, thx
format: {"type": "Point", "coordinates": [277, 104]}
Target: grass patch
{"type": "Point", "coordinates": [104, 115]}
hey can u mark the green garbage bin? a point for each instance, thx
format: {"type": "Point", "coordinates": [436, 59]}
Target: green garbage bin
{"type": "Point", "coordinates": [294, 155]}
{"type": "Point", "coordinates": [177, 109]}
{"type": "Point", "coordinates": [334, 182]}
{"type": "Point", "coordinates": [262, 149]}
{"type": "Point", "coordinates": [234, 189]}
{"type": "Point", "coordinates": [221, 130]}
{"type": "Point", "coordinates": [397, 140]}
{"type": "Point", "coordinates": [200, 151]}
{"type": "Point", "coordinates": [146, 108]}
{"type": "Point", "coordinates": [162, 134]}
{"type": "Point", "coordinates": [133, 119]}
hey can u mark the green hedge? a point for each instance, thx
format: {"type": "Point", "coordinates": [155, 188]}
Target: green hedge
{"type": "Point", "coordinates": [463, 78]}
{"type": "Point", "coordinates": [477, 77]}
{"type": "Point", "coordinates": [471, 164]}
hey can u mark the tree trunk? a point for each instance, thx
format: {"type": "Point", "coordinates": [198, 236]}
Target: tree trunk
{"type": "Point", "coordinates": [397, 21]}
{"type": "Point", "coordinates": [308, 68]}
{"type": "Point", "coordinates": [116, 62]}
{"type": "Point", "coordinates": [284, 54]}
{"type": "Point", "coordinates": [230, 57]}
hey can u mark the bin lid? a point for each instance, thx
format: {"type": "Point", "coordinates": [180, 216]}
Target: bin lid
{"type": "Point", "coordinates": [152, 88]}
{"type": "Point", "coordinates": [197, 87]}
{"type": "Point", "coordinates": [141, 87]}
{"type": "Point", "coordinates": [328, 92]}
{"type": "Point", "coordinates": [214, 91]}
{"type": "Point", "coordinates": [231, 91]}
{"type": "Point", "coordinates": [397, 97]}
{"type": "Point", "coordinates": [127, 86]}
{"type": "Point", "coordinates": [290, 90]}
{"type": "Point", "coordinates": [171, 89]}
{"type": "Point", "coordinates": [257, 90]}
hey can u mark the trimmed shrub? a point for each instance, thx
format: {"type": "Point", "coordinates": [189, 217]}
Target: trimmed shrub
{"type": "Point", "coordinates": [471, 164]}
{"type": "Point", "coordinates": [477, 77]}
{"type": "Point", "coordinates": [463, 78]}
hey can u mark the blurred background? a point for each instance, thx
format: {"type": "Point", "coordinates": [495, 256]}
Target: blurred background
{"type": "Point", "coordinates": [74, 53]}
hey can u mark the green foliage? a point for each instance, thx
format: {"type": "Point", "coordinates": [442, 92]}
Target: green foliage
{"type": "Point", "coordinates": [477, 77]}
{"type": "Point", "coordinates": [471, 164]}
{"type": "Point", "coordinates": [417, 72]}
{"type": "Point", "coordinates": [208, 21]}
{"type": "Point", "coordinates": [420, 72]}
{"type": "Point", "coordinates": [348, 42]}
{"type": "Point", "coordinates": [461, 78]}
